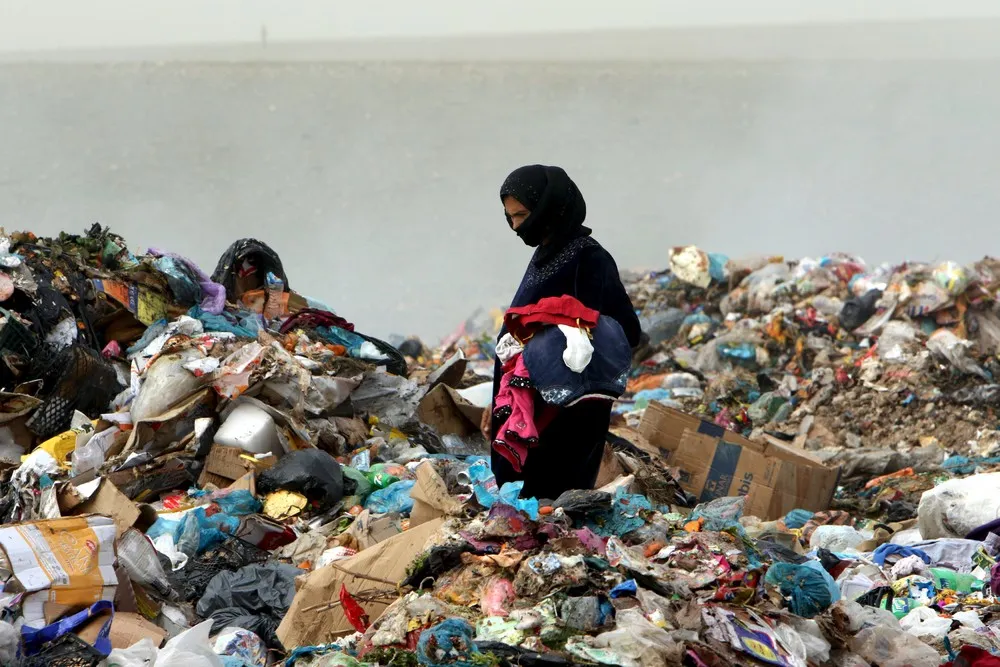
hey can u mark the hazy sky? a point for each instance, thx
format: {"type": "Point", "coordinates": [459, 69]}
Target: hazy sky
{"type": "Point", "coordinates": [72, 24]}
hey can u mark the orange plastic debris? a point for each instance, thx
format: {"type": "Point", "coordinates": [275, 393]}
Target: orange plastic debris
{"type": "Point", "coordinates": [694, 526]}
{"type": "Point", "coordinates": [905, 472]}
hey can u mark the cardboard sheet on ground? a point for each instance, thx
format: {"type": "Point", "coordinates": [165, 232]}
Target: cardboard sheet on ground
{"type": "Point", "coordinates": [431, 498]}
{"type": "Point", "coordinates": [444, 409]}
{"type": "Point", "coordinates": [714, 463]}
{"type": "Point", "coordinates": [312, 621]}
{"type": "Point", "coordinates": [127, 629]}
{"type": "Point", "coordinates": [66, 563]}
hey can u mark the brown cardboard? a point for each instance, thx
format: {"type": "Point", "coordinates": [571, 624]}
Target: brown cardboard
{"type": "Point", "coordinates": [314, 619]}
{"type": "Point", "coordinates": [430, 497]}
{"type": "Point", "coordinates": [714, 463]}
{"type": "Point", "coordinates": [127, 629]}
{"type": "Point", "coordinates": [448, 413]}
{"type": "Point", "coordinates": [224, 465]}
{"type": "Point", "coordinates": [611, 468]}
{"type": "Point", "coordinates": [109, 501]}
{"type": "Point", "coordinates": [368, 530]}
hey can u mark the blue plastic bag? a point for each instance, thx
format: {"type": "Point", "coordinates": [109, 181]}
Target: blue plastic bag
{"type": "Point", "coordinates": [797, 518]}
{"type": "Point", "coordinates": [809, 588]}
{"type": "Point", "coordinates": [393, 498]}
{"type": "Point", "coordinates": [484, 485]}
{"type": "Point", "coordinates": [624, 515]}
{"type": "Point", "coordinates": [450, 642]}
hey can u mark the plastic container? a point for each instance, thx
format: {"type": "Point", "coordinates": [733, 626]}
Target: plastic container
{"type": "Point", "coordinates": [251, 429]}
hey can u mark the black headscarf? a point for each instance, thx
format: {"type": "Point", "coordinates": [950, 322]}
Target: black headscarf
{"type": "Point", "coordinates": [557, 207]}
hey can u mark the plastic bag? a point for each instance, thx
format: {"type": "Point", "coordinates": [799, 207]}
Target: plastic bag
{"type": "Point", "coordinates": [957, 507]}
{"type": "Point", "coordinates": [498, 596]}
{"type": "Point", "coordinates": [450, 642]}
{"type": "Point", "coordinates": [167, 383]}
{"type": "Point", "coordinates": [242, 645]}
{"type": "Point", "coordinates": [311, 472]}
{"type": "Point", "coordinates": [581, 502]}
{"type": "Point", "coordinates": [362, 486]}
{"type": "Point", "coordinates": [35, 639]}
{"type": "Point", "coordinates": [955, 350]}
{"type": "Point", "coordinates": [191, 648]}
{"type": "Point", "coordinates": [809, 589]}
{"type": "Point", "coordinates": [142, 654]}
{"type": "Point", "coordinates": [858, 310]}
{"type": "Point", "coordinates": [484, 485]}
{"type": "Point", "coordinates": [691, 265]}
{"type": "Point", "coordinates": [254, 598]}
{"type": "Point", "coordinates": [635, 642]}
{"type": "Point", "coordinates": [10, 640]}
{"type": "Point", "coordinates": [393, 498]}
{"type": "Point", "coordinates": [839, 539]}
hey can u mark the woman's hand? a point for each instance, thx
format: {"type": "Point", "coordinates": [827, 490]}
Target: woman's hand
{"type": "Point", "coordinates": [486, 423]}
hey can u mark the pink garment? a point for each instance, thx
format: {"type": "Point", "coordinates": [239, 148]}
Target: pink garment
{"type": "Point", "coordinates": [514, 407]}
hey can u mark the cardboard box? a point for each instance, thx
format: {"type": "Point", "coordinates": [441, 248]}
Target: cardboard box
{"type": "Point", "coordinates": [224, 465]}
{"type": "Point", "coordinates": [127, 629]}
{"type": "Point", "coordinates": [715, 463]}
{"type": "Point", "coordinates": [60, 564]}
{"type": "Point", "coordinates": [448, 413]}
{"type": "Point", "coordinates": [111, 502]}
{"type": "Point", "coordinates": [313, 619]}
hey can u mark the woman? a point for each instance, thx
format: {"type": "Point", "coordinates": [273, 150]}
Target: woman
{"type": "Point", "coordinates": [546, 210]}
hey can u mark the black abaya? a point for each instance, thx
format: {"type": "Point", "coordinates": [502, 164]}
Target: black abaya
{"type": "Point", "coordinates": [569, 452]}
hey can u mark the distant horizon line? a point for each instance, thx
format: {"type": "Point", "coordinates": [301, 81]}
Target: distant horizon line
{"type": "Point", "coordinates": [954, 39]}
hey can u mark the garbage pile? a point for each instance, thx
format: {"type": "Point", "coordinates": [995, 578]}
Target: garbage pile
{"type": "Point", "coordinates": [210, 470]}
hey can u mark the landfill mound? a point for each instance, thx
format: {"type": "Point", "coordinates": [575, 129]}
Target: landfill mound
{"type": "Point", "coordinates": [213, 469]}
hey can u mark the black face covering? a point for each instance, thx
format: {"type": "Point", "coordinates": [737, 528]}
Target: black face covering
{"type": "Point", "coordinates": [557, 207]}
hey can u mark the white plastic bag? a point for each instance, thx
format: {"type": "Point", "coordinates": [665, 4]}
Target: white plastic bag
{"type": "Point", "coordinates": [924, 622]}
{"type": "Point", "coordinates": [191, 648]}
{"type": "Point", "coordinates": [959, 506]}
{"type": "Point", "coordinates": [837, 539]}
{"type": "Point", "coordinates": [955, 350]}
{"type": "Point", "coordinates": [142, 654]}
{"type": "Point", "coordinates": [10, 640]}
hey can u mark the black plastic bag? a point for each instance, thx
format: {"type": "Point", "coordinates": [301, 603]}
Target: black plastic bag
{"type": "Point", "coordinates": [580, 502]}
{"type": "Point", "coordinates": [514, 655]}
{"type": "Point", "coordinates": [436, 562]}
{"type": "Point", "coordinates": [254, 598]}
{"type": "Point", "coordinates": [264, 259]}
{"type": "Point", "coordinates": [311, 472]}
{"type": "Point", "coordinates": [233, 554]}
{"type": "Point", "coordinates": [856, 311]}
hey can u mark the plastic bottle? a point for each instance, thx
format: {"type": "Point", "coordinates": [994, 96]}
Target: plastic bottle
{"type": "Point", "coordinates": [275, 289]}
